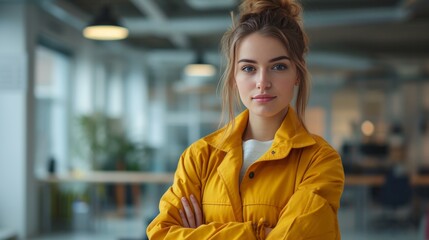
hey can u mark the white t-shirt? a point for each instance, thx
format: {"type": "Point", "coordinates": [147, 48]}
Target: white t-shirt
{"type": "Point", "coordinates": [252, 151]}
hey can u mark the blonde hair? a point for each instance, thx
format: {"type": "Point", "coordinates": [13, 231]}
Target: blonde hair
{"type": "Point", "coordinates": [273, 18]}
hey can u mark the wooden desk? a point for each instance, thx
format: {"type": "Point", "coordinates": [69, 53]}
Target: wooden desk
{"type": "Point", "coordinates": [364, 180]}
{"type": "Point", "coordinates": [95, 178]}
{"type": "Point", "coordinates": [420, 180]}
{"type": "Point", "coordinates": [361, 185]}
{"type": "Point", "coordinates": [379, 179]}
{"type": "Point", "coordinates": [111, 177]}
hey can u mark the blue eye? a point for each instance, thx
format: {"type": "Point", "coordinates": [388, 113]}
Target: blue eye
{"type": "Point", "coordinates": [279, 67]}
{"type": "Point", "coordinates": [248, 69]}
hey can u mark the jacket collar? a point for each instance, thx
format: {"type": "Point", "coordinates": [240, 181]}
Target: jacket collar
{"type": "Point", "coordinates": [291, 132]}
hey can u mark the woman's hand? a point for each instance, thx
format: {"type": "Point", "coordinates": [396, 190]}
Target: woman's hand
{"type": "Point", "coordinates": [267, 231]}
{"type": "Point", "coordinates": [191, 218]}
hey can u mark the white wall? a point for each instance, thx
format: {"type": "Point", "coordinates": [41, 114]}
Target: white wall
{"type": "Point", "coordinates": [17, 192]}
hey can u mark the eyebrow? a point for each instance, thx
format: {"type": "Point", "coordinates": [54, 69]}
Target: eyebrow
{"type": "Point", "coordinates": [272, 60]}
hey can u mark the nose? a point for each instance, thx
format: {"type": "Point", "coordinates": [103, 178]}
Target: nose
{"type": "Point", "coordinates": [263, 81]}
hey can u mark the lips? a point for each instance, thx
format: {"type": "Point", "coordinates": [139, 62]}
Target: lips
{"type": "Point", "coordinates": [263, 98]}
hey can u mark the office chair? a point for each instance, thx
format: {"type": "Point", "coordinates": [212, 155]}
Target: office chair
{"type": "Point", "coordinates": [395, 198]}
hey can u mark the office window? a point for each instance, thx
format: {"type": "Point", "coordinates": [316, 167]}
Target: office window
{"type": "Point", "coordinates": [52, 71]}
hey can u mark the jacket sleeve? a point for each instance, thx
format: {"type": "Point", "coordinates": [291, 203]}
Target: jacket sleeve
{"type": "Point", "coordinates": [311, 212]}
{"type": "Point", "coordinates": [188, 180]}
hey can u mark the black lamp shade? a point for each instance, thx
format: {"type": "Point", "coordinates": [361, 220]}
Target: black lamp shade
{"type": "Point", "coordinates": [105, 18]}
{"type": "Point", "coordinates": [105, 27]}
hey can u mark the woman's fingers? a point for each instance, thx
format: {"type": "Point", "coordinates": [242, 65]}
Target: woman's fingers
{"type": "Point", "coordinates": [184, 220]}
{"type": "Point", "coordinates": [198, 212]}
{"type": "Point", "coordinates": [192, 217]}
{"type": "Point", "coordinates": [188, 212]}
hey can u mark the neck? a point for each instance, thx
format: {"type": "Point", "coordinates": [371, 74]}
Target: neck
{"type": "Point", "coordinates": [263, 128]}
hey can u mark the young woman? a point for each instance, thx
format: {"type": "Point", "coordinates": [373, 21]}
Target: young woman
{"type": "Point", "coordinates": [262, 176]}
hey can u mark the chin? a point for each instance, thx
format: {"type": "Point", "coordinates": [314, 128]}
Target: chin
{"type": "Point", "coordinates": [268, 113]}
{"type": "Point", "coordinates": [265, 114]}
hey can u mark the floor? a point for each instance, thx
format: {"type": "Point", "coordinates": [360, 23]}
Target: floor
{"type": "Point", "coordinates": [357, 222]}
{"type": "Point", "coordinates": [133, 229]}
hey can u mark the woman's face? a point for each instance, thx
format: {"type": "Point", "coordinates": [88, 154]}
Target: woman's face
{"type": "Point", "coordinates": [265, 75]}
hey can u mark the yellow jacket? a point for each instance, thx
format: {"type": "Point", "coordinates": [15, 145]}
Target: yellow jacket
{"type": "Point", "coordinates": [295, 188]}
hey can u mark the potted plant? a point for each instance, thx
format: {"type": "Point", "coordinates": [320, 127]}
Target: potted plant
{"type": "Point", "coordinates": [106, 145]}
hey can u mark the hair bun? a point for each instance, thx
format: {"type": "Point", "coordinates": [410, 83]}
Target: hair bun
{"type": "Point", "coordinates": [289, 8]}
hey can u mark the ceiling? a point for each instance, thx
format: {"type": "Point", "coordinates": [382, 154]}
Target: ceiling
{"type": "Point", "coordinates": [352, 32]}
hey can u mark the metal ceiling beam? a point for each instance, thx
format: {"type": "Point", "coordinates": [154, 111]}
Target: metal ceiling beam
{"type": "Point", "coordinates": [158, 18]}
{"type": "Point", "coordinates": [210, 4]}
{"type": "Point", "coordinates": [177, 29]}
{"type": "Point", "coordinates": [191, 26]}
{"type": "Point", "coordinates": [312, 19]}
{"type": "Point", "coordinates": [354, 17]}
{"type": "Point", "coordinates": [66, 12]}
{"type": "Point", "coordinates": [339, 61]}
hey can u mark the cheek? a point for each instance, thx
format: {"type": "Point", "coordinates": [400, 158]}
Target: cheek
{"type": "Point", "coordinates": [244, 85]}
{"type": "Point", "coordinates": [288, 88]}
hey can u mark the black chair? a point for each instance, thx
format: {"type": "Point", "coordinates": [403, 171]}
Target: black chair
{"type": "Point", "coordinates": [421, 194]}
{"type": "Point", "coordinates": [395, 198]}
{"type": "Point", "coordinates": [423, 191]}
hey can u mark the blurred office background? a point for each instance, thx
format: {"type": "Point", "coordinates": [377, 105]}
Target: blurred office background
{"type": "Point", "coordinates": [91, 130]}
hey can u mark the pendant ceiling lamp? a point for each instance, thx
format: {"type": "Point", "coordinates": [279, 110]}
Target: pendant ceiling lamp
{"type": "Point", "coordinates": [105, 27]}
{"type": "Point", "coordinates": [199, 68]}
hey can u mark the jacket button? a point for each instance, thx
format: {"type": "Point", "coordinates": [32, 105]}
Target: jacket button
{"type": "Point", "coordinates": [251, 175]}
{"type": "Point", "coordinates": [273, 152]}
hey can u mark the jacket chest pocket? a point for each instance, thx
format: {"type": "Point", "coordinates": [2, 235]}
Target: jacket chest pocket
{"type": "Point", "coordinates": [216, 203]}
